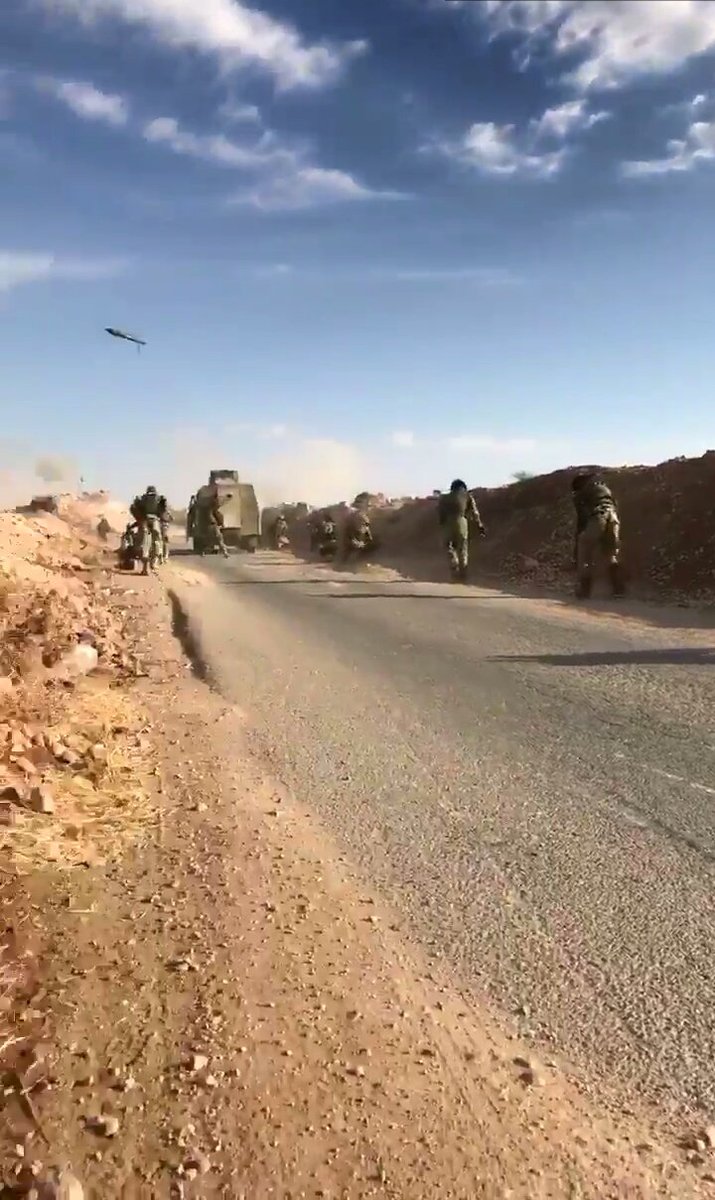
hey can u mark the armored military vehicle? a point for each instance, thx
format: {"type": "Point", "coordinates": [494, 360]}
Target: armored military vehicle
{"type": "Point", "coordinates": [238, 506]}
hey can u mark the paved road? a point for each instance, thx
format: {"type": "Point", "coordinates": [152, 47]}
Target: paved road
{"type": "Point", "coordinates": [533, 788]}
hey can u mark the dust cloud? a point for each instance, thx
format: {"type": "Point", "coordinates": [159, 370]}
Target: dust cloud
{"type": "Point", "coordinates": [55, 470]}
{"type": "Point", "coordinates": [315, 470]}
{"type": "Point", "coordinates": [24, 474]}
{"type": "Point", "coordinates": [285, 470]}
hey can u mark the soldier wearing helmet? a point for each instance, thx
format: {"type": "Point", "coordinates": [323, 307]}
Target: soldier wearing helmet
{"type": "Point", "coordinates": [457, 512]}
{"type": "Point", "coordinates": [148, 511]}
{"type": "Point", "coordinates": [598, 533]}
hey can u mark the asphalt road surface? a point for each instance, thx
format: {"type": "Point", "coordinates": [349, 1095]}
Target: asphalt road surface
{"type": "Point", "coordinates": [531, 787]}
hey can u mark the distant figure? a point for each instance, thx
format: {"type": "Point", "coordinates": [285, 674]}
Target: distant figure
{"type": "Point", "coordinates": [326, 536]}
{"type": "Point", "coordinates": [164, 525]}
{"type": "Point", "coordinates": [280, 533]}
{"type": "Point", "coordinates": [457, 510]}
{"type": "Point", "coordinates": [190, 518]}
{"type": "Point", "coordinates": [315, 525]}
{"type": "Point", "coordinates": [103, 528]}
{"type": "Point", "coordinates": [598, 533]}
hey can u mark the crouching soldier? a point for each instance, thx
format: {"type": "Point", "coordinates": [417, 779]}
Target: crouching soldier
{"type": "Point", "coordinates": [358, 539]}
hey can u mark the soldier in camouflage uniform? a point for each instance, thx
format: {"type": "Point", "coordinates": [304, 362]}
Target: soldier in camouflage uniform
{"type": "Point", "coordinates": [358, 537]}
{"type": "Point", "coordinates": [164, 523]}
{"type": "Point", "coordinates": [190, 518]}
{"type": "Point", "coordinates": [103, 528]}
{"type": "Point", "coordinates": [215, 518]}
{"type": "Point", "coordinates": [457, 510]}
{"type": "Point", "coordinates": [326, 536]}
{"type": "Point", "coordinates": [148, 511]}
{"type": "Point", "coordinates": [598, 533]}
{"type": "Point", "coordinates": [129, 546]}
{"type": "Point", "coordinates": [315, 522]}
{"type": "Point", "coordinates": [280, 533]}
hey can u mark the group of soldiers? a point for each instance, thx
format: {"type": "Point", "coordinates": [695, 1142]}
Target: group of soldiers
{"type": "Point", "coordinates": [357, 539]}
{"type": "Point", "coordinates": [146, 536]}
{"type": "Point", "coordinates": [597, 542]}
{"type": "Point", "coordinates": [597, 534]}
{"type": "Point", "coordinates": [598, 531]}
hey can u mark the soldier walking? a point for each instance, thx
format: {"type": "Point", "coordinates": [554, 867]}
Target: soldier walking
{"type": "Point", "coordinates": [598, 534]}
{"type": "Point", "coordinates": [457, 511]}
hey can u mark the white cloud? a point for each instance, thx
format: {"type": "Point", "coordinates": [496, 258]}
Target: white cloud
{"type": "Point", "coordinates": [504, 150]}
{"type": "Point", "coordinates": [228, 30]}
{"type": "Point", "coordinates": [570, 117]}
{"type": "Point", "coordinates": [215, 148]}
{"type": "Point", "coordinates": [284, 179]}
{"type": "Point", "coordinates": [86, 101]}
{"type": "Point", "coordinates": [493, 150]}
{"type": "Point", "coordinates": [616, 40]}
{"type": "Point", "coordinates": [694, 107]}
{"type": "Point", "coordinates": [24, 267]}
{"type": "Point", "coordinates": [698, 145]}
{"type": "Point", "coordinates": [297, 186]}
{"type": "Point", "coordinates": [235, 113]}
{"type": "Point", "coordinates": [404, 439]}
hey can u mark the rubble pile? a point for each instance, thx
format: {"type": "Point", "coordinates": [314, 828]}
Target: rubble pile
{"type": "Point", "coordinates": [668, 539]}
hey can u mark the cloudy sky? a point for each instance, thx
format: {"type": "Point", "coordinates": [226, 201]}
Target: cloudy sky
{"type": "Point", "coordinates": [370, 244]}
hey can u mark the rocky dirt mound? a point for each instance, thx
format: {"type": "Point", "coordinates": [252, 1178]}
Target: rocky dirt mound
{"type": "Point", "coordinates": [668, 537]}
{"type": "Point", "coordinates": [63, 650]}
{"type": "Point", "coordinates": [73, 755]}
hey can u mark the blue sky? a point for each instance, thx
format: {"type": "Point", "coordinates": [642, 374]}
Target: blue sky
{"type": "Point", "coordinates": [372, 244]}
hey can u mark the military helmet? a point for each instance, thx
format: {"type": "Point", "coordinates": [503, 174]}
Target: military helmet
{"type": "Point", "coordinates": [151, 490]}
{"type": "Point", "coordinates": [458, 485]}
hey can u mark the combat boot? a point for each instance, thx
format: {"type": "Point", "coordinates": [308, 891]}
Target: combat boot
{"type": "Point", "coordinates": [583, 587]}
{"type": "Point", "coordinates": [462, 575]}
{"type": "Point", "coordinates": [615, 574]}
